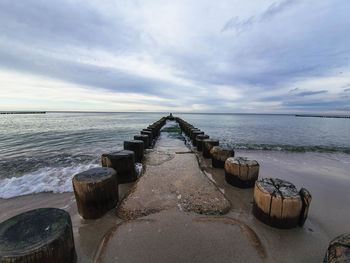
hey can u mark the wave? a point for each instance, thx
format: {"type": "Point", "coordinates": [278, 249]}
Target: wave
{"type": "Point", "coordinates": [291, 148]}
{"type": "Point", "coordinates": [16, 167]}
{"type": "Point", "coordinates": [49, 179]}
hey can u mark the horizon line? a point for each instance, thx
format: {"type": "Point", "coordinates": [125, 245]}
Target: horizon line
{"type": "Point", "coordinates": [176, 112]}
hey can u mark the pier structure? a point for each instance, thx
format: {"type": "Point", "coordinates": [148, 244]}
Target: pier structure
{"type": "Point", "coordinates": [174, 210]}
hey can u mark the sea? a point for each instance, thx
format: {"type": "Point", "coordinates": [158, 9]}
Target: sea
{"type": "Point", "coordinates": [42, 152]}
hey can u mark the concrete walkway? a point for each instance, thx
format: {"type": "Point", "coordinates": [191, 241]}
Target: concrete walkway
{"type": "Point", "coordinates": [166, 213]}
{"type": "Point", "coordinates": [172, 179]}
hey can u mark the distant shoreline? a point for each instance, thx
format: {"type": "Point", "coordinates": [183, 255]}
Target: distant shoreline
{"type": "Point", "coordinates": [24, 112]}
{"type": "Point", "coordinates": [322, 116]}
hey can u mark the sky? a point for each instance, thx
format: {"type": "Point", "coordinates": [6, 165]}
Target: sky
{"type": "Point", "coordinates": [261, 56]}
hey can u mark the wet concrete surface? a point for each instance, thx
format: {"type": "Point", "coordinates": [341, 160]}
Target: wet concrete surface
{"type": "Point", "coordinates": [174, 236]}
{"type": "Point", "coordinates": [172, 178]}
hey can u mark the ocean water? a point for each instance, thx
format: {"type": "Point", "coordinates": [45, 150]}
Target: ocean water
{"type": "Point", "coordinates": [275, 132]}
{"type": "Point", "coordinates": [41, 153]}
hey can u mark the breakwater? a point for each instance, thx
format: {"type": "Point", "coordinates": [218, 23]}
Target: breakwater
{"type": "Point", "coordinates": [172, 180]}
{"type": "Point", "coordinates": [276, 202]}
{"type": "Point", "coordinates": [23, 112]}
{"type": "Point", "coordinates": [323, 116]}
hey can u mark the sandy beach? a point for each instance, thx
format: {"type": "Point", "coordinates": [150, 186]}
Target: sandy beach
{"type": "Point", "coordinates": [176, 235]}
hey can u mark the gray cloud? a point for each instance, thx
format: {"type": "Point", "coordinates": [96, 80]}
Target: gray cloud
{"type": "Point", "coordinates": [346, 88]}
{"type": "Point", "coordinates": [310, 93]}
{"type": "Point", "coordinates": [274, 9]}
{"type": "Point", "coordinates": [288, 41]}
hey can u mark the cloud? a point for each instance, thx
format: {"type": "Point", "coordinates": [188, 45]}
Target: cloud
{"type": "Point", "coordinates": [239, 25]}
{"type": "Point", "coordinates": [310, 93]}
{"type": "Point", "coordinates": [276, 8]}
{"type": "Point", "coordinates": [182, 56]}
{"type": "Point", "coordinates": [272, 10]}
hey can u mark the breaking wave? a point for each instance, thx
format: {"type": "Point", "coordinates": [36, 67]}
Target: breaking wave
{"type": "Point", "coordinates": [49, 179]}
{"type": "Point", "coordinates": [291, 148]}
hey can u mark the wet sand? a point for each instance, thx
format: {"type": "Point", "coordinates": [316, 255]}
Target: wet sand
{"type": "Point", "coordinates": [87, 233]}
{"type": "Point", "coordinates": [326, 176]}
{"type": "Point", "coordinates": [173, 235]}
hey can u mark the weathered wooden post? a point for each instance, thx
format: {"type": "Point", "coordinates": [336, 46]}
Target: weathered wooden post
{"type": "Point", "coordinates": [188, 128]}
{"type": "Point", "coordinates": [338, 250]}
{"type": "Point", "coordinates": [199, 141]}
{"type": "Point", "coordinates": [137, 147]}
{"type": "Point", "coordinates": [194, 135]}
{"type": "Point", "coordinates": [38, 236]}
{"type": "Point", "coordinates": [170, 117]}
{"type": "Point", "coordinates": [306, 199]}
{"type": "Point", "coordinates": [150, 136]}
{"type": "Point", "coordinates": [123, 162]}
{"type": "Point", "coordinates": [152, 131]}
{"type": "Point", "coordinates": [207, 145]}
{"type": "Point", "coordinates": [143, 138]}
{"type": "Point", "coordinates": [96, 191]}
{"type": "Point", "coordinates": [279, 204]}
{"type": "Point", "coordinates": [241, 171]}
{"type": "Point", "coordinates": [219, 156]}
{"type": "Point", "coordinates": [191, 132]}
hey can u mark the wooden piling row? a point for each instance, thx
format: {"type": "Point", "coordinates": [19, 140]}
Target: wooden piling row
{"type": "Point", "coordinates": [46, 234]}
{"type": "Point", "coordinates": [278, 205]}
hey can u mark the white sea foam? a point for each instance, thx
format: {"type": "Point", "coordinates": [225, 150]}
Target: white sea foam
{"type": "Point", "coordinates": [169, 124]}
{"type": "Point", "coordinates": [138, 169]}
{"type": "Point", "coordinates": [49, 179]}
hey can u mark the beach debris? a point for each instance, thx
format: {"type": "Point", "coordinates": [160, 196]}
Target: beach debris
{"type": "Point", "coordinates": [207, 145]}
{"type": "Point", "coordinates": [123, 162]}
{"type": "Point", "coordinates": [219, 156]}
{"type": "Point", "coordinates": [138, 169]}
{"type": "Point", "coordinates": [338, 250]}
{"type": "Point", "coordinates": [96, 191]}
{"type": "Point", "coordinates": [38, 236]}
{"type": "Point", "coordinates": [199, 141]}
{"type": "Point", "coordinates": [241, 171]}
{"type": "Point", "coordinates": [278, 203]}
{"type": "Point", "coordinates": [137, 147]}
